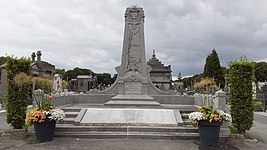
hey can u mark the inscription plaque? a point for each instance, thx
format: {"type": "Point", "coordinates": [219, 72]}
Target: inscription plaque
{"type": "Point", "coordinates": [133, 88]}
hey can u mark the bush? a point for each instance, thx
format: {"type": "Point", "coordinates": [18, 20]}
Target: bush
{"type": "Point", "coordinates": [257, 106]}
{"type": "Point", "coordinates": [241, 76]}
{"type": "Point", "coordinates": [17, 91]}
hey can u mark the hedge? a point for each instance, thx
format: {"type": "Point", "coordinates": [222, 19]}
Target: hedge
{"type": "Point", "coordinates": [241, 76]}
{"type": "Point", "coordinates": [17, 95]}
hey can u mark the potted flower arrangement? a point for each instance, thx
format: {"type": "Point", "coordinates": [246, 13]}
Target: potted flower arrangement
{"type": "Point", "coordinates": [209, 121]}
{"type": "Point", "coordinates": [44, 117]}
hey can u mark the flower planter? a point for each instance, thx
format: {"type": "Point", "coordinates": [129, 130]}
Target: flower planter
{"type": "Point", "coordinates": [209, 132]}
{"type": "Point", "coordinates": [45, 131]}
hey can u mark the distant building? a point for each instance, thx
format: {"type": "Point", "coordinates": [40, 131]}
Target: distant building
{"type": "Point", "coordinates": [178, 86]}
{"type": "Point", "coordinates": [160, 75]}
{"type": "Point", "coordinates": [38, 66]}
{"type": "Point", "coordinates": [83, 83]}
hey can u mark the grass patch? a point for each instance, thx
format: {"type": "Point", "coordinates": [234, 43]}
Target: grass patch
{"type": "Point", "coordinates": [233, 130]}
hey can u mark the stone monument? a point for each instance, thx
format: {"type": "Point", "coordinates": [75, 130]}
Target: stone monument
{"type": "Point", "coordinates": [57, 83]}
{"type": "Point", "coordinates": [133, 85]}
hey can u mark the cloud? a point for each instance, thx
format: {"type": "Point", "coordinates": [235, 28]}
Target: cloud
{"type": "Point", "coordinates": [89, 34]}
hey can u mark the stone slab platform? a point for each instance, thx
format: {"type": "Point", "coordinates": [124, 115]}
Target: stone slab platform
{"type": "Point", "coordinates": [130, 116]}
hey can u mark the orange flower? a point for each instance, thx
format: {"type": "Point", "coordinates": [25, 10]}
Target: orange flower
{"type": "Point", "coordinates": [50, 97]}
{"type": "Point", "coordinates": [35, 116]}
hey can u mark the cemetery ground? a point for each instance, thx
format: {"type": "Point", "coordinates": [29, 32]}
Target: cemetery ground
{"type": "Point", "coordinates": [11, 141]}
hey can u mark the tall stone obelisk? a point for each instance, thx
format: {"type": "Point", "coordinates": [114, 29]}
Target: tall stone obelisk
{"type": "Point", "coordinates": [133, 74]}
{"type": "Point", "coordinates": [133, 85]}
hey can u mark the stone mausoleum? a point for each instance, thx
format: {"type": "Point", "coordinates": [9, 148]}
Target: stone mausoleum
{"type": "Point", "coordinates": [40, 67]}
{"type": "Point", "coordinates": [160, 74]}
{"type": "Point", "coordinates": [83, 83]}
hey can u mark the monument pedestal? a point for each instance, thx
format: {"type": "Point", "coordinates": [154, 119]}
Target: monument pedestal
{"type": "Point", "coordinates": [133, 100]}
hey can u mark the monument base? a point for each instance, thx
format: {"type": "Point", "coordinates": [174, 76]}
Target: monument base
{"type": "Point", "coordinates": [129, 117]}
{"type": "Point", "coordinates": [133, 100]}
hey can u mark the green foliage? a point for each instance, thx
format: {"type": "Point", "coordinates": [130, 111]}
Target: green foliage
{"type": "Point", "coordinates": [241, 75]}
{"type": "Point", "coordinates": [2, 60]}
{"type": "Point", "coordinates": [261, 71]}
{"type": "Point", "coordinates": [104, 79]}
{"type": "Point", "coordinates": [43, 101]}
{"type": "Point", "coordinates": [17, 94]}
{"type": "Point", "coordinates": [3, 101]}
{"type": "Point", "coordinates": [213, 68]}
{"type": "Point", "coordinates": [72, 74]}
{"type": "Point", "coordinates": [256, 104]}
{"type": "Point", "coordinates": [233, 130]}
{"type": "Point", "coordinates": [190, 81]}
{"type": "Point", "coordinates": [60, 71]}
{"type": "Point", "coordinates": [113, 79]}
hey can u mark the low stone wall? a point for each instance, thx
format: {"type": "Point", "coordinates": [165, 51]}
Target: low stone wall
{"type": "Point", "coordinates": [103, 98]}
{"type": "Point", "coordinates": [63, 100]}
{"type": "Point", "coordinates": [93, 98]}
{"type": "Point", "coordinates": [174, 99]}
{"type": "Point", "coordinates": [217, 101]}
{"type": "Point", "coordinates": [83, 98]}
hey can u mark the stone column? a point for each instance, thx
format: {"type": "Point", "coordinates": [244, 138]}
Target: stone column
{"type": "Point", "coordinates": [220, 100]}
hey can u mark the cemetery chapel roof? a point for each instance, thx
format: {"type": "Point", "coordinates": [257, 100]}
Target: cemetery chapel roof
{"type": "Point", "coordinates": [157, 66]}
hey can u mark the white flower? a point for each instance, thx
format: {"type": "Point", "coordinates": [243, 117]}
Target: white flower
{"type": "Point", "coordinates": [195, 116]}
{"type": "Point", "coordinates": [225, 116]}
{"type": "Point", "coordinates": [57, 114]}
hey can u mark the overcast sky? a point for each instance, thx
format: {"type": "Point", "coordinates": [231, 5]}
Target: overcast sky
{"type": "Point", "coordinates": [89, 33]}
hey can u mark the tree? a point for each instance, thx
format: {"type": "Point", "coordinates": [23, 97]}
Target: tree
{"type": "Point", "coordinates": [104, 79]}
{"type": "Point", "coordinates": [261, 71]}
{"type": "Point", "coordinates": [189, 82]}
{"type": "Point", "coordinates": [2, 60]}
{"type": "Point", "coordinates": [241, 76]}
{"type": "Point", "coordinates": [213, 68]}
{"type": "Point", "coordinates": [72, 74]}
{"type": "Point", "coordinates": [60, 71]}
{"type": "Point", "coordinates": [206, 85]}
{"type": "Point", "coordinates": [113, 79]}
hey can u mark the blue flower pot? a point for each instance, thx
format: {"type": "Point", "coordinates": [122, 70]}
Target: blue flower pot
{"type": "Point", "coordinates": [45, 131]}
{"type": "Point", "coordinates": [209, 132]}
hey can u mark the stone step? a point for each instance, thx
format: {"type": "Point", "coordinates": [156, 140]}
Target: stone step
{"type": "Point", "coordinates": [184, 116]}
{"type": "Point", "coordinates": [65, 128]}
{"type": "Point", "coordinates": [137, 135]}
{"type": "Point", "coordinates": [67, 121]}
{"type": "Point", "coordinates": [180, 129]}
{"type": "Point", "coordinates": [70, 114]}
{"type": "Point", "coordinates": [66, 109]}
{"type": "Point", "coordinates": [186, 122]}
{"type": "Point", "coordinates": [132, 103]}
{"type": "Point", "coordinates": [122, 135]}
{"type": "Point", "coordinates": [186, 111]}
